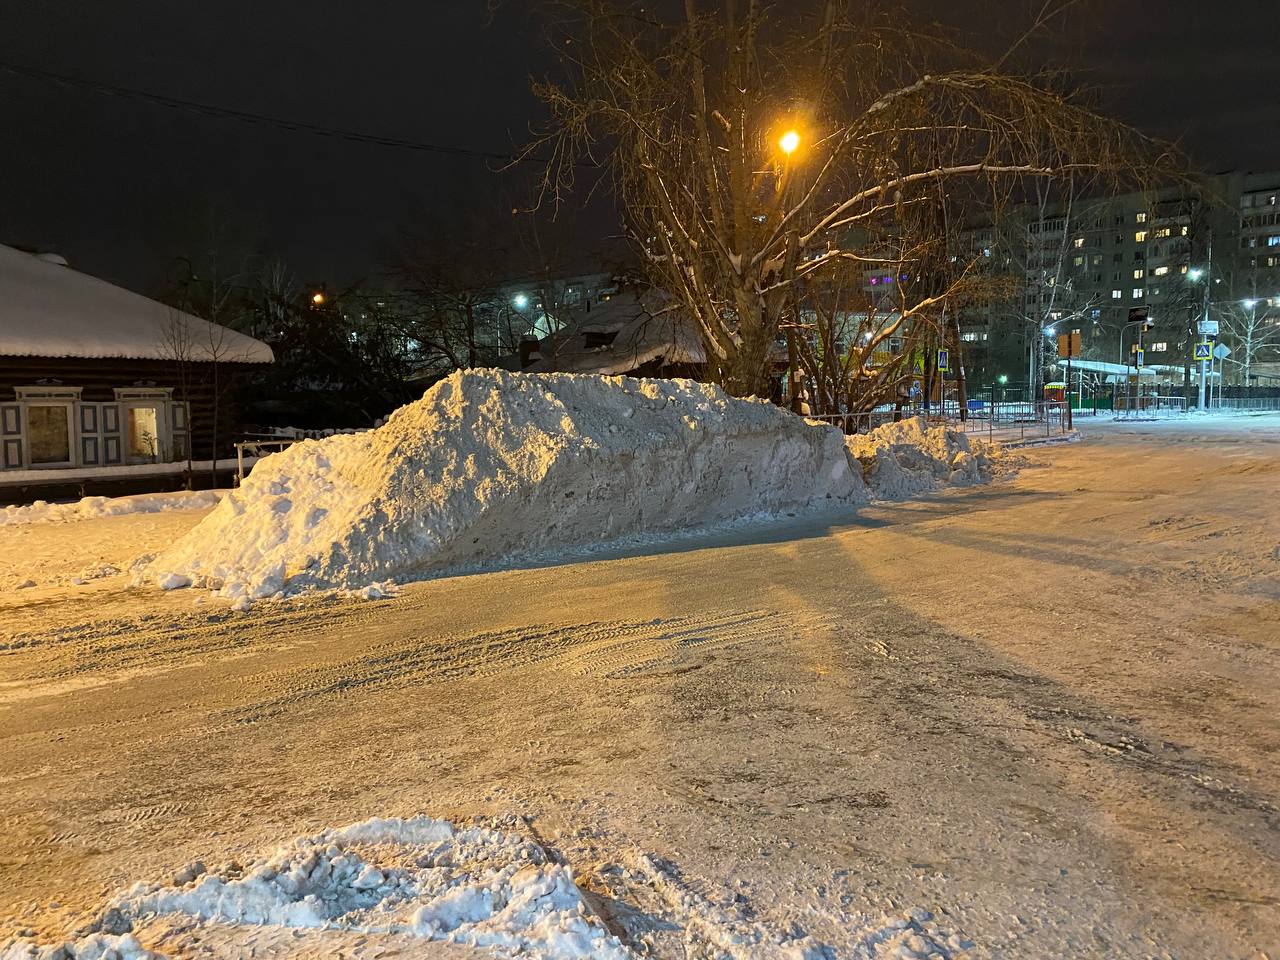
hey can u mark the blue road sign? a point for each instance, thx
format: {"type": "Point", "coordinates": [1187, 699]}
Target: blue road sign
{"type": "Point", "coordinates": [1204, 350]}
{"type": "Point", "coordinates": [1140, 355]}
{"type": "Point", "coordinates": [944, 360]}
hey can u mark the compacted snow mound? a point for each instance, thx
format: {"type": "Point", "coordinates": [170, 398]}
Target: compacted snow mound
{"type": "Point", "coordinates": [96, 946]}
{"type": "Point", "coordinates": [419, 877]}
{"type": "Point", "coordinates": [90, 508]}
{"type": "Point", "coordinates": [908, 458]}
{"type": "Point", "coordinates": [490, 466]}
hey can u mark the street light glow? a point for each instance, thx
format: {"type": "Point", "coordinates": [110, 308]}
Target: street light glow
{"type": "Point", "coordinates": [1003, 378]}
{"type": "Point", "coordinates": [317, 298]}
{"type": "Point", "coordinates": [1249, 304]}
{"type": "Point", "coordinates": [789, 141]}
{"type": "Point", "coordinates": [521, 301]}
{"type": "Point", "coordinates": [1195, 273]}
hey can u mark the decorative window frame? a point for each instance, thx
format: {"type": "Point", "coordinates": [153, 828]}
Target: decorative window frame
{"type": "Point", "coordinates": [161, 400]}
{"type": "Point", "coordinates": [50, 395]}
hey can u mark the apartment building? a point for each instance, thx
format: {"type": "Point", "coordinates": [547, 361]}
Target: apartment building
{"type": "Point", "coordinates": [1088, 264]}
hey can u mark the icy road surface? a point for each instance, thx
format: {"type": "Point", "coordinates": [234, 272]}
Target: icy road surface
{"type": "Point", "coordinates": [1042, 714]}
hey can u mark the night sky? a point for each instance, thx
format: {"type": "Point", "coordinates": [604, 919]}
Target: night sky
{"type": "Point", "coordinates": [114, 183]}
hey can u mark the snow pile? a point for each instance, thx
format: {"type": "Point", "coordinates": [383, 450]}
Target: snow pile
{"type": "Point", "coordinates": [908, 458]}
{"type": "Point", "coordinates": [420, 877]}
{"type": "Point", "coordinates": [97, 946]}
{"type": "Point", "coordinates": [91, 508]}
{"type": "Point", "coordinates": [491, 466]}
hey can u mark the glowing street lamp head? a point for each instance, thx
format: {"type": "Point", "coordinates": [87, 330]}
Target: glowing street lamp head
{"type": "Point", "coordinates": [1003, 378]}
{"type": "Point", "coordinates": [1195, 273]}
{"type": "Point", "coordinates": [317, 298]}
{"type": "Point", "coordinates": [520, 300]}
{"type": "Point", "coordinates": [789, 141]}
{"type": "Point", "coordinates": [1249, 304]}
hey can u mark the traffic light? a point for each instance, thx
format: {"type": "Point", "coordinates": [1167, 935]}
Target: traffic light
{"type": "Point", "coordinates": [1141, 315]}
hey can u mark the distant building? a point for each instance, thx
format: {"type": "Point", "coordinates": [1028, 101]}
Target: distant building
{"type": "Point", "coordinates": [1088, 266]}
{"type": "Point", "coordinates": [98, 382]}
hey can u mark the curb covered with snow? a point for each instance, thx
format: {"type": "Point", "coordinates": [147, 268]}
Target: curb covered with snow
{"type": "Point", "coordinates": [91, 508]}
{"type": "Point", "coordinates": [490, 466]}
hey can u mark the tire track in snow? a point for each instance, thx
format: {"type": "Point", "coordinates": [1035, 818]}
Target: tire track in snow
{"type": "Point", "coordinates": [618, 649]}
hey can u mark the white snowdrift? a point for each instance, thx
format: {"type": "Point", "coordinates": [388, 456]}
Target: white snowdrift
{"type": "Point", "coordinates": [491, 466]}
{"type": "Point", "coordinates": [908, 458]}
{"type": "Point", "coordinates": [420, 877]}
{"type": "Point", "coordinates": [91, 508]}
{"type": "Point", "coordinates": [96, 946]}
{"type": "Point", "coordinates": [425, 879]}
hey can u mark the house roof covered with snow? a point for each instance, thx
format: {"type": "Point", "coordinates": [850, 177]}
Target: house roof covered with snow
{"type": "Point", "coordinates": [620, 335]}
{"type": "Point", "coordinates": [48, 309]}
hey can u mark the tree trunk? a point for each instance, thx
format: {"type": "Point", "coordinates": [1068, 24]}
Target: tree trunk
{"type": "Point", "coordinates": [471, 334]}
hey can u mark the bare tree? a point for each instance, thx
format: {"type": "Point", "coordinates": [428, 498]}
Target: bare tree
{"type": "Point", "coordinates": [852, 358]}
{"type": "Point", "coordinates": [1252, 328]}
{"type": "Point", "coordinates": [758, 148]}
{"type": "Point", "coordinates": [1045, 244]}
{"type": "Point", "coordinates": [176, 343]}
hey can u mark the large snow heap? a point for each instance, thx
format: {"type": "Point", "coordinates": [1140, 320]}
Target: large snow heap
{"type": "Point", "coordinates": [908, 458]}
{"type": "Point", "coordinates": [491, 465]}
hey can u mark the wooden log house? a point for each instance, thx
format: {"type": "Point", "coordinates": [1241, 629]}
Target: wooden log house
{"type": "Point", "coordinates": [98, 382]}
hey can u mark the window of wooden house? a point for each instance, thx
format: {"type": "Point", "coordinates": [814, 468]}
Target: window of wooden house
{"type": "Point", "coordinates": [49, 433]}
{"type": "Point", "coordinates": [144, 433]}
{"type": "Point", "coordinates": [147, 423]}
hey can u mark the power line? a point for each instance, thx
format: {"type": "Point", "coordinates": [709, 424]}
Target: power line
{"type": "Point", "coordinates": [225, 113]}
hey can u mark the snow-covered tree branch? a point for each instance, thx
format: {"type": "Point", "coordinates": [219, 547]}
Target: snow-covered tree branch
{"type": "Point", "coordinates": [757, 152]}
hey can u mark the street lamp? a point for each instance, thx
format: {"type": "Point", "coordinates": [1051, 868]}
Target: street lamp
{"type": "Point", "coordinates": [317, 298]}
{"type": "Point", "coordinates": [788, 142]}
{"type": "Point", "coordinates": [520, 300]}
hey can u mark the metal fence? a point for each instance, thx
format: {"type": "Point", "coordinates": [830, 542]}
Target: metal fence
{"type": "Point", "coordinates": [865, 422]}
{"type": "Point", "coordinates": [1152, 408]}
{"type": "Point", "coordinates": [258, 448]}
{"type": "Point", "coordinates": [1247, 404]}
{"type": "Point", "coordinates": [259, 445]}
{"type": "Point", "coordinates": [1006, 421]}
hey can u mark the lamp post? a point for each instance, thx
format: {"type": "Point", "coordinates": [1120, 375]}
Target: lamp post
{"type": "Point", "coordinates": [1202, 329]}
{"type": "Point", "coordinates": [788, 143]}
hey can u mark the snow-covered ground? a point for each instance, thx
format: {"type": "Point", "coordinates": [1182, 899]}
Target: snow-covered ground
{"type": "Point", "coordinates": [90, 508]}
{"type": "Point", "coordinates": [1025, 719]}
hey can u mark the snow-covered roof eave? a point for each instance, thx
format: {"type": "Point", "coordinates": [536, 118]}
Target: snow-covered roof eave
{"type": "Point", "coordinates": [51, 310]}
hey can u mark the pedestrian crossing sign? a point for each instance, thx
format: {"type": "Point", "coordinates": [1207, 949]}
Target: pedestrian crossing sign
{"type": "Point", "coordinates": [1204, 350]}
{"type": "Point", "coordinates": [944, 360]}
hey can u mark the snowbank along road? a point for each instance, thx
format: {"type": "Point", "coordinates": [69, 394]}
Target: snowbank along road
{"type": "Point", "coordinates": [1027, 719]}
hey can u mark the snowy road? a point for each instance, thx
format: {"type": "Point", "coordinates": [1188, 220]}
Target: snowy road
{"type": "Point", "coordinates": [1042, 711]}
